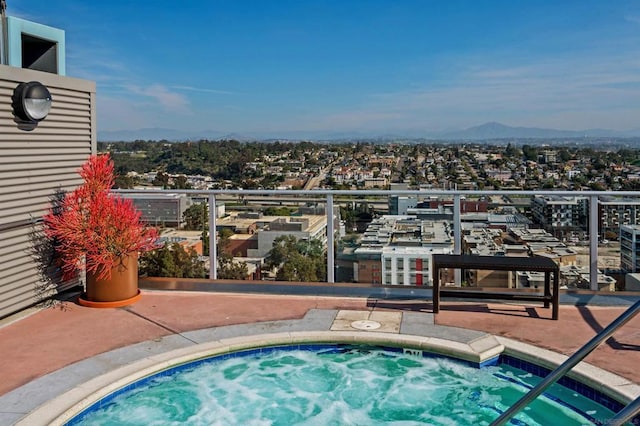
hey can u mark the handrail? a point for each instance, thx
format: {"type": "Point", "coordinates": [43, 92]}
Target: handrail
{"type": "Point", "coordinates": [626, 414]}
{"type": "Point", "coordinates": [571, 362]}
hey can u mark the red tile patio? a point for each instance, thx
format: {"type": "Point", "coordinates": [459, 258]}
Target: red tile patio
{"type": "Point", "coordinates": [55, 337]}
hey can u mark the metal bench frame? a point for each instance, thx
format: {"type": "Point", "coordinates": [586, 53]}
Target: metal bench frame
{"type": "Point", "coordinates": [498, 263]}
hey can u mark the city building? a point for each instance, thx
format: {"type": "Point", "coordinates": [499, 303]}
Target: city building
{"type": "Point", "coordinates": [397, 250]}
{"type": "Point", "coordinates": [561, 215]}
{"type": "Point", "coordinates": [186, 239]}
{"type": "Point", "coordinates": [400, 204]}
{"type": "Point", "coordinates": [617, 211]}
{"type": "Point", "coordinates": [255, 233]}
{"type": "Point", "coordinates": [630, 248]}
{"type": "Point", "coordinates": [408, 265]}
{"type": "Point", "coordinates": [161, 209]}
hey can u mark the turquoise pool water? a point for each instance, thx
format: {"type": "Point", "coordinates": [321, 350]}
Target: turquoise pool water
{"type": "Point", "coordinates": [336, 386]}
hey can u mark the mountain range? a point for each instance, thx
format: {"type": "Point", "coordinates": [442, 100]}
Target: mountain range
{"type": "Point", "coordinates": [485, 131]}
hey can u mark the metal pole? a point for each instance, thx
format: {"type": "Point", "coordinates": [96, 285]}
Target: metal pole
{"type": "Point", "coordinates": [457, 225]}
{"type": "Point", "coordinates": [4, 45]}
{"type": "Point", "coordinates": [213, 240]}
{"type": "Point", "coordinates": [330, 241]}
{"type": "Point", "coordinates": [571, 362]}
{"type": "Point", "coordinates": [457, 237]}
{"type": "Point", "coordinates": [626, 414]}
{"type": "Point", "coordinates": [593, 242]}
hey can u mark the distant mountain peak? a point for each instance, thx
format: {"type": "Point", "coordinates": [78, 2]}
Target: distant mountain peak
{"type": "Point", "coordinates": [486, 131]}
{"type": "Point", "coordinates": [495, 130]}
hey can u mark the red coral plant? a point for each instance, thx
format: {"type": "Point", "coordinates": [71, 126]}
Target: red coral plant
{"type": "Point", "coordinates": [94, 228]}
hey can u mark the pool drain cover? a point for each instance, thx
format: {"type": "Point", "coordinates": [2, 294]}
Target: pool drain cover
{"type": "Point", "coordinates": [365, 325]}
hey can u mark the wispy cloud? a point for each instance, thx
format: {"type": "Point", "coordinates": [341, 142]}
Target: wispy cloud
{"type": "Point", "coordinates": [169, 100]}
{"type": "Point", "coordinates": [632, 18]}
{"type": "Point", "coordinates": [200, 89]}
{"type": "Point", "coordinates": [568, 92]}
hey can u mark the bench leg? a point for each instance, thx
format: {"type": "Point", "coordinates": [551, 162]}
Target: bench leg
{"type": "Point", "coordinates": [556, 296]}
{"type": "Point", "coordinates": [547, 289]}
{"type": "Point", "coordinates": [436, 290]}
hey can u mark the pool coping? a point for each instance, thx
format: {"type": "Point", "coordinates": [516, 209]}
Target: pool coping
{"type": "Point", "coordinates": [122, 366]}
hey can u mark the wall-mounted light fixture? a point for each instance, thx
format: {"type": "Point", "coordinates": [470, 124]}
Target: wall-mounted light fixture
{"type": "Point", "coordinates": [31, 101]}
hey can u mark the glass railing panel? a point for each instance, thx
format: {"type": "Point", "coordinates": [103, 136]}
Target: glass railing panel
{"type": "Point", "coordinates": [279, 237]}
{"type": "Point", "coordinates": [618, 243]}
{"type": "Point", "coordinates": [372, 246]}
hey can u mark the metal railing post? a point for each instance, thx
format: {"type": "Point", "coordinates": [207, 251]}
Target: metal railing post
{"type": "Point", "coordinates": [330, 241]}
{"type": "Point", "coordinates": [213, 239]}
{"type": "Point", "coordinates": [626, 414]}
{"type": "Point", "coordinates": [593, 242]}
{"type": "Point", "coordinates": [457, 236]}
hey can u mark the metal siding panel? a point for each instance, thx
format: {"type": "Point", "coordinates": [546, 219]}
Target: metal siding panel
{"type": "Point", "coordinates": [32, 197]}
{"type": "Point", "coordinates": [49, 136]}
{"type": "Point", "coordinates": [27, 153]}
{"type": "Point", "coordinates": [57, 174]}
{"type": "Point", "coordinates": [10, 183]}
{"type": "Point", "coordinates": [33, 166]}
{"type": "Point", "coordinates": [42, 162]}
{"type": "Point", "coordinates": [11, 267]}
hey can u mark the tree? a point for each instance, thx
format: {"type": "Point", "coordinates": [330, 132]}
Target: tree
{"type": "Point", "coordinates": [297, 260]}
{"type": "Point", "coordinates": [123, 182]}
{"type": "Point", "coordinates": [278, 211]}
{"type": "Point", "coordinates": [511, 151]}
{"type": "Point", "coordinates": [228, 268]}
{"type": "Point", "coordinates": [181, 182]}
{"type": "Point", "coordinates": [172, 260]}
{"type": "Point", "coordinates": [564, 155]}
{"type": "Point", "coordinates": [196, 217]}
{"type": "Point", "coordinates": [530, 152]}
{"type": "Point", "coordinates": [161, 179]}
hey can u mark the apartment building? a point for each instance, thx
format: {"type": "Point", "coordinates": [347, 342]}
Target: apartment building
{"type": "Point", "coordinates": [617, 211]}
{"type": "Point", "coordinates": [399, 205]}
{"type": "Point", "coordinates": [398, 249]}
{"type": "Point", "coordinates": [560, 215]}
{"type": "Point", "coordinates": [630, 248]}
{"type": "Point", "coordinates": [161, 209]}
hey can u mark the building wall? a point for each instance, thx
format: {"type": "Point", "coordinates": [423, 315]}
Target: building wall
{"type": "Point", "coordinates": [398, 205]}
{"type": "Point", "coordinates": [240, 247]}
{"type": "Point", "coordinates": [34, 164]}
{"type": "Point", "coordinates": [613, 214]}
{"type": "Point", "coordinates": [161, 209]}
{"type": "Point", "coordinates": [560, 214]}
{"type": "Point", "coordinates": [369, 271]}
{"type": "Point", "coordinates": [483, 278]}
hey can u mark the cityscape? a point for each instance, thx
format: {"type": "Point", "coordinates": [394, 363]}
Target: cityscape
{"type": "Point", "coordinates": [378, 235]}
{"type": "Point", "coordinates": [321, 212]}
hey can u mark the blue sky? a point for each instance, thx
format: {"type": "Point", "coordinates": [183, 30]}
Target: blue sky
{"type": "Point", "coordinates": [372, 65]}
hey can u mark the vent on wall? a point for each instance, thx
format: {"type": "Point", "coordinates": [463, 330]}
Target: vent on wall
{"type": "Point", "coordinates": [39, 54]}
{"type": "Point", "coordinates": [35, 46]}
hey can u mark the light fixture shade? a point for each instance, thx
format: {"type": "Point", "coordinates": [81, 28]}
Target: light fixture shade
{"type": "Point", "coordinates": [31, 101]}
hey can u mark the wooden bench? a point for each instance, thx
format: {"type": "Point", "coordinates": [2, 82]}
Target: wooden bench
{"type": "Point", "coordinates": [498, 263]}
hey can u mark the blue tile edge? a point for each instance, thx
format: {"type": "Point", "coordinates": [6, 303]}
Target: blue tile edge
{"type": "Point", "coordinates": [569, 383]}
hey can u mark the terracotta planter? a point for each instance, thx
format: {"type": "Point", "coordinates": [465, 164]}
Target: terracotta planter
{"type": "Point", "coordinates": [120, 290]}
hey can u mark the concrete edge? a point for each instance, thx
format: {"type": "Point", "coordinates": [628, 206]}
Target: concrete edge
{"type": "Point", "coordinates": [65, 406]}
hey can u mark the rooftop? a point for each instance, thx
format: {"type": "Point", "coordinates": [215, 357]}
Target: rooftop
{"type": "Point", "coordinates": [40, 342]}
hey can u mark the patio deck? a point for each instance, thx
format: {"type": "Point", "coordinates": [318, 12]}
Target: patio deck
{"type": "Point", "coordinates": [45, 340]}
